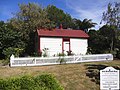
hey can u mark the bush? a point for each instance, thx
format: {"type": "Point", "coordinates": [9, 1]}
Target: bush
{"type": "Point", "coordinates": [41, 82]}
{"type": "Point", "coordinates": [70, 53]}
{"type": "Point", "coordinates": [48, 81]}
{"type": "Point", "coordinates": [9, 51]}
{"type": "Point", "coordinates": [118, 55]}
{"type": "Point", "coordinates": [61, 54]}
{"type": "Point", "coordinates": [27, 82]}
{"type": "Point", "coordinates": [4, 62]}
{"type": "Point", "coordinates": [10, 84]}
{"type": "Point", "coordinates": [37, 54]}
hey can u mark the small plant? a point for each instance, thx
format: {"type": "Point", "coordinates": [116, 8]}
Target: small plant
{"type": "Point", "coordinates": [69, 53]}
{"type": "Point", "coordinates": [36, 54]}
{"type": "Point", "coordinates": [89, 50]}
{"type": "Point", "coordinates": [61, 58]}
{"type": "Point", "coordinates": [4, 62]}
{"type": "Point", "coordinates": [61, 54]}
{"type": "Point", "coordinates": [62, 61]}
{"type": "Point", "coordinates": [45, 52]}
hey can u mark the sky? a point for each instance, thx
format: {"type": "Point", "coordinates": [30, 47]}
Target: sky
{"type": "Point", "coordinates": [80, 9]}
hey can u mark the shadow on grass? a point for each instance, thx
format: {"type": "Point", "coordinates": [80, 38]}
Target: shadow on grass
{"type": "Point", "coordinates": [93, 71]}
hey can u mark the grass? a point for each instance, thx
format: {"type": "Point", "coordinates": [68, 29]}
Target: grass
{"type": "Point", "coordinates": [71, 76]}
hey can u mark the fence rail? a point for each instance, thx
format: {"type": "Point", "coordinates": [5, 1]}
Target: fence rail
{"type": "Point", "coordinates": [36, 61]}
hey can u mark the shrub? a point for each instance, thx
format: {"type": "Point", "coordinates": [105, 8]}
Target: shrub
{"type": "Point", "coordinates": [4, 62]}
{"type": "Point", "coordinates": [10, 84]}
{"type": "Point", "coordinates": [26, 82]}
{"type": "Point", "coordinates": [70, 53]}
{"type": "Point", "coordinates": [41, 82]}
{"type": "Point", "coordinates": [37, 54]}
{"type": "Point", "coordinates": [61, 59]}
{"type": "Point", "coordinates": [118, 54]}
{"type": "Point", "coordinates": [9, 51]}
{"type": "Point", "coordinates": [48, 81]}
{"type": "Point", "coordinates": [61, 54]}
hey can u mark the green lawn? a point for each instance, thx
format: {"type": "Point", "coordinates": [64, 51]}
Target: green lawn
{"type": "Point", "coordinates": [71, 76]}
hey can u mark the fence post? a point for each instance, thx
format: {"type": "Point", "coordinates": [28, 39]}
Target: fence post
{"type": "Point", "coordinates": [80, 58]}
{"type": "Point", "coordinates": [74, 58]}
{"type": "Point", "coordinates": [35, 61]}
{"type": "Point", "coordinates": [11, 60]}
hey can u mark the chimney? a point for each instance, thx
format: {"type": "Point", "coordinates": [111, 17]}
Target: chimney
{"type": "Point", "coordinates": [60, 27]}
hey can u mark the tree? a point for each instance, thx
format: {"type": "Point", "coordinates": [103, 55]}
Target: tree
{"type": "Point", "coordinates": [30, 17]}
{"type": "Point", "coordinates": [94, 42]}
{"type": "Point", "coordinates": [58, 17]}
{"type": "Point", "coordinates": [106, 32]}
{"type": "Point", "coordinates": [112, 18]}
{"type": "Point", "coordinates": [87, 24]}
{"type": "Point", "coordinates": [112, 15]}
{"type": "Point", "coordinates": [100, 41]}
{"type": "Point", "coordinates": [76, 23]}
{"type": "Point", "coordinates": [83, 25]}
{"type": "Point", "coordinates": [9, 38]}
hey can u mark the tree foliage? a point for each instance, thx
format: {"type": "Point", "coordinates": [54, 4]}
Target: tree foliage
{"type": "Point", "coordinates": [112, 15]}
{"type": "Point", "coordinates": [30, 17]}
{"type": "Point", "coordinates": [100, 41]}
{"type": "Point", "coordinates": [112, 18]}
{"type": "Point", "coordinates": [58, 16]}
{"type": "Point", "coordinates": [9, 37]}
{"type": "Point", "coordinates": [94, 42]}
{"type": "Point", "coordinates": [83, 25]}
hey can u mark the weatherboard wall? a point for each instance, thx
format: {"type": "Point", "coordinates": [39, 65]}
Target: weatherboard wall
{"type": "Point", "coordinates": [78, 46]}
{"type": "Point", "coordinates": [55, 45]}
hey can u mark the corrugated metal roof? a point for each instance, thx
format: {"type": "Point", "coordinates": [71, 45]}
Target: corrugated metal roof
{"type": "Point", "coordinates": [62, 33]}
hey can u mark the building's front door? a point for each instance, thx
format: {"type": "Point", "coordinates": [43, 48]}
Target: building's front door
{"type": "Point", "coordinates": [66, 45]}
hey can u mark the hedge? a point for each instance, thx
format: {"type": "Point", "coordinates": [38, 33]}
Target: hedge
{"type": "Point", "coordinates": [41, 82]}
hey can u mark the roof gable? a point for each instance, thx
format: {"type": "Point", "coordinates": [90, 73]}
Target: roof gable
{"type": "Point", "coordinates": [62, 33]}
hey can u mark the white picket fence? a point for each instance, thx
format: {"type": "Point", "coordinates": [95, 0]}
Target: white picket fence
{"type": "Point", "coordinates": [36, 61]}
